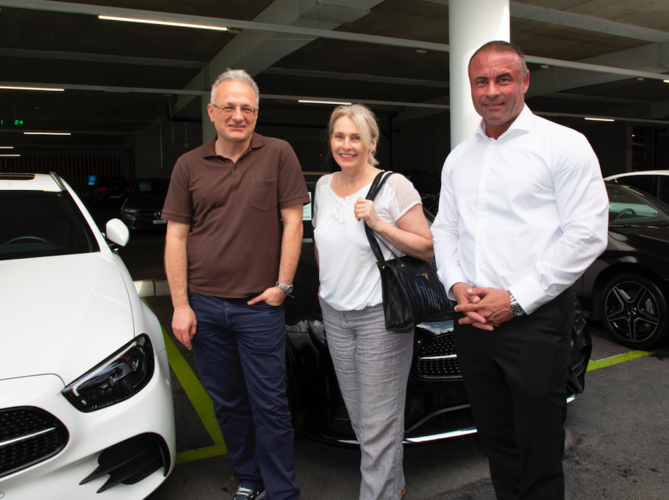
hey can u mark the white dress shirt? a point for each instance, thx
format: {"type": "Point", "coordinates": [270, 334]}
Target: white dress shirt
{"type": "Point", "coordinates": [349, 277]}
{"type": "Point", "coordinates": [527, 212]}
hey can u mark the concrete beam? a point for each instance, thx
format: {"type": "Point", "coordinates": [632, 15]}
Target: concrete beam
{"type": "Point", "coordinates": [637, 62]}
{"type": "Point", "coordinates": [332, 75]}
{"type": "Point", "coordinates": [579, 21]}
{"type": "Point", "coordinates": [296, 30]}
{"type": "Point", "coordinates": [103, 58]}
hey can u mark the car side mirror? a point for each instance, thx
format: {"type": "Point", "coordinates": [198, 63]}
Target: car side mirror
{"type": "Point", "coordinates": [117, 232]}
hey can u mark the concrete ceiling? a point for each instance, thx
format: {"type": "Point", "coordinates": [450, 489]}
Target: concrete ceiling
{"type": "Point", "coordinates": [118, 76]}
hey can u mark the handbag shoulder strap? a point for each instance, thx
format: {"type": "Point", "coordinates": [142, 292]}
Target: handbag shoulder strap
{"type": "Point", "coordinates": [378, 183]}
{"type": "Point", "coordinates": [374, 189]}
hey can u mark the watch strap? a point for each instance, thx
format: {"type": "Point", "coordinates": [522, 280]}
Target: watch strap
{"type": "Point", "coordinates": [516, 309]}
{"type": "Point", "coordinates": [286, 288]}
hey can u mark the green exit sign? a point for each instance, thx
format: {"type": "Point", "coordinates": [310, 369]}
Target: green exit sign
{"type": "Point", "coordinates": [16, 123]}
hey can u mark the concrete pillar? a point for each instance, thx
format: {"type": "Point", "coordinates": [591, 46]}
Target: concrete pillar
{"type": "Point", "coordinates": [471, 23]}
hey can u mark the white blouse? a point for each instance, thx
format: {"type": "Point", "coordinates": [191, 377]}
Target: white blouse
{"type": "Point", "coordinates": [349, 276]}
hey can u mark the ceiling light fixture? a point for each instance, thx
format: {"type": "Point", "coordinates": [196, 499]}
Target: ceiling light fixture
{"type": "Point", "coordinates": [545, 66]}
{"type": "Point", "coordinates": [7, 156]}
{"type": "Point", "coordinates": [32, 88]}
{"type": "Point", "coordinates": [336, 103]}
{"type": "Point", "coordinates": [47, 133]}
{"type": "Point", "coordinates": [163, 23]}
{"type": "Point", "coordinates": [6, 147]}
{"type": "Point", "coordinates": [599, 119]}
{"type": "Point", "coordinates": [421, 51]}
{"type": "Point", "coordinates": [665, 81]}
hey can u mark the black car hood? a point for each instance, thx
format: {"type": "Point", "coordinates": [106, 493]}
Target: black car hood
{"type": "Point", "coordinates": [145, 202]}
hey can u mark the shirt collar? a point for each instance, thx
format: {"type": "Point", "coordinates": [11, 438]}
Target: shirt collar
{"type": "Point", "coordinates": [523, 121]}
{"type": "Point", "coordinates": [209, 150]}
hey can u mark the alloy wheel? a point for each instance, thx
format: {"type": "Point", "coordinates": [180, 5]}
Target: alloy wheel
{"type": "Point", "coordinates": [635, 311]}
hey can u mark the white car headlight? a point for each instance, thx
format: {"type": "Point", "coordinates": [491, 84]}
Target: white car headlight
{"type": "Point", "coordinates": [117, 378]}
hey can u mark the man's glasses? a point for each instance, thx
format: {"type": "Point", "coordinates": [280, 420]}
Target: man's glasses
{"type": "Point", "coordinates": [229, 110]}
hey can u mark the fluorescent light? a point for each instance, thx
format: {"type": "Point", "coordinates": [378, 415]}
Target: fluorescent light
{"type": "Point", "coordinates": [4, 156]}
{"type": "Point", "coordinates": [665, 81]}
{"type": "Point", "coordinates": [6, 147]}
{"type": "Point", "coordinates": [336, 103]}
{"type": "Point", "coordinates": [47, 133]}
{"type": "Point", "coordinates": [163, 23]}
{"type": "Point", "coordinates": [599, 119]}
{"type": "Point", "coordinates": [33, 88]}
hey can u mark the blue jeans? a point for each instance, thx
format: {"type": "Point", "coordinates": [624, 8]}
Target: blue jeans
{"type": "Point", "coordinates": [240, 353]}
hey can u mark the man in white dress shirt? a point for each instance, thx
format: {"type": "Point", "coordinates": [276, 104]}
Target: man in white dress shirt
{"type": "Point", "coordinates": [523, 212]}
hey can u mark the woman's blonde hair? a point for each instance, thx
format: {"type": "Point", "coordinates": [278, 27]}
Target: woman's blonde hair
{"type": "Point", "coordinates": [365, 120]}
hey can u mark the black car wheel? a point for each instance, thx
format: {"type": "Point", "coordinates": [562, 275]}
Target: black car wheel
{"type": "Point", "coordinates": [634, 311]}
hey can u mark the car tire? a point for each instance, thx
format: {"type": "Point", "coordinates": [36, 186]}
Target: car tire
{"type": "Point", "coordinates": [634, 311]}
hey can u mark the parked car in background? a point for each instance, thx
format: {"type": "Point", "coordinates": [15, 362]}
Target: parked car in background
{"type": "Point", "coordinates": [627, 287]}
{"type": "Point", "coordinates": [436, 407]}
{"type": "Point", "coordinates": [144, 204]}
{"type": "Point", "coordinates": [427, 185]}
{"type": "Point", "coordinates": [110, 190]}
{"type": "Point", "coordinates": [85, 396]}
{"type": "Point", "coordinates": [655, 182]}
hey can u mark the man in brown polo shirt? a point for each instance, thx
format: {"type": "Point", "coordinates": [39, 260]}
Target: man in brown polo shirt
{"type": "Point", "coordinates": [234, 233]}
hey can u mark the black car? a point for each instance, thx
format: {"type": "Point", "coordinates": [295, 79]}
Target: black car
{"type": "Point", "coordinates": [144, 204]}
{"type": "Point", "coordinates": [627, 287]}
{"type": "Point", "coordinates": [654, 182]}
{"type": "Point", "coordinates": [110, 190]}
{"type": "Point", "coordinates": [436, 406]}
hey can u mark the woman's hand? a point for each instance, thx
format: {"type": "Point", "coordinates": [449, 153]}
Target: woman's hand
{"type": "Point", "coordinates": [364, 209]}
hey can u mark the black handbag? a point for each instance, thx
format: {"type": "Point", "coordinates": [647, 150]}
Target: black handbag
{"type": "Point", "coordinates": [412, 291]}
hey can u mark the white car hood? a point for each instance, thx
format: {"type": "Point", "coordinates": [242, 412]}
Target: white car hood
{"type": "Point", "coordinates": [61, 315]}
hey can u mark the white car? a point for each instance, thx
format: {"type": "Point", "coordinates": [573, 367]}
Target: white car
{"type": "Point", "coordinates": [85, 397]}
{"type": "Point", "coordinates": [655, 182]}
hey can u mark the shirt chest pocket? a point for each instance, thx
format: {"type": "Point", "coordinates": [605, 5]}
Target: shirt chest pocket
{"type": "Point", "coordinates": [263, 194]}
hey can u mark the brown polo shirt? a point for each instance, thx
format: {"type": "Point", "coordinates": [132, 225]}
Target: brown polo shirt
{"type": "Point", "coordinates": [234, 245]}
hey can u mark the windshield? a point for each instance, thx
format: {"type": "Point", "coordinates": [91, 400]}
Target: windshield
{"type": "Point", "coordinates": [628, 206]}
{"type": "Point", "coordinates": [150, 188]}
{"type": "Point", "coordinates": [40, 224]}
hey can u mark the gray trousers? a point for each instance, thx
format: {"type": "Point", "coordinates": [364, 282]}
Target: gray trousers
{"type": "Point", "coordinates": [372, 368]}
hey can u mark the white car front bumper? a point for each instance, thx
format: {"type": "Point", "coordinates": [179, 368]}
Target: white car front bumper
{"type": "Point", "coordinates": [150, 411]}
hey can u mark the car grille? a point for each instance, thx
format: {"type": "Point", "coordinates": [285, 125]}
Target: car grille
{"type": "Point", "coordinates": [437, 359]}
{"type": "Point", "coordinates": [28, 436]}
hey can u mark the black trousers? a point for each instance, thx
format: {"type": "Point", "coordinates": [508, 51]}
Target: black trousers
{"type": "Point", "coordinates": [516, 380]}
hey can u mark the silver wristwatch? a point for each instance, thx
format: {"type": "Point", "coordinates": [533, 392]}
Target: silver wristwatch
{"type": "Point", "coordinates": [286, 288]}
{"type": "Point", "coordinates": [515, 308]}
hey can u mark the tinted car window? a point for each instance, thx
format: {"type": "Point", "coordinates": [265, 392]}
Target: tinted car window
{"type": "Point", "coordinates": [628, 206]}
{"type": "Point", "coordinates": [663, 192]}
{"type": "Point", "coordinates": [643, 182]}
{"type": "Point", "coordinates": [41, 223]}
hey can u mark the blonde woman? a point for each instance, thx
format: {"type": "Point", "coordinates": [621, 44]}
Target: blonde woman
{"type": "Point", "coordinates": [372, 364]}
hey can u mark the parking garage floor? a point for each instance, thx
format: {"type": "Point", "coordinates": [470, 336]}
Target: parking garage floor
{"type": "Point", "coordinates": [617, 445]}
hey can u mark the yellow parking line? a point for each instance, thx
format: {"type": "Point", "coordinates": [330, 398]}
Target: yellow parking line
{"type": "Point", "coordinates": [196, 394]}
{"type": "Point", "coordinates": [202, 403]}
{"type": "Point", "coordinates": [614, 360]}
{"type": "Point", "coordinates": [201, 453]}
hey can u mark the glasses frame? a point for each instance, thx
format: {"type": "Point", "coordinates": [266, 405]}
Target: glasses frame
{"type": "Point", "coordinates": [240, 108]}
